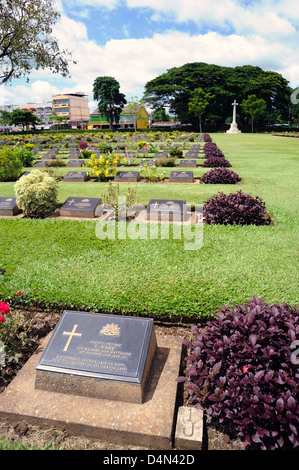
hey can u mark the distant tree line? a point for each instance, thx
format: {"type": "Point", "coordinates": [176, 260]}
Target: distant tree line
{"type": "Point", "coordinates": [197, 91]}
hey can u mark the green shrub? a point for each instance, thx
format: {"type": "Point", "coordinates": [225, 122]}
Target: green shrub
{"type": "Point", "coordinates": [166, 161]}
{"type": "Point", "coordinates": [26, 156]}
{"type": "Point", "coordinates": [10, 165]}
{"type": "Point", "coordinates": [55, 163]}
{"type": "Point", "coordinates": [37, 194]}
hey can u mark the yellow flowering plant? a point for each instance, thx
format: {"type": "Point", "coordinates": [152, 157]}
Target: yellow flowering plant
{"type": "Point", "coordinates": [104, 166]}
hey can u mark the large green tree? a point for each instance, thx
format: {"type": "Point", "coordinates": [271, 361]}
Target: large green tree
{"type": "Point", "coordinates": [26, 40]}
{"type": "Point", "coordinates": [19, 117]}
{"type": "Point", "coordinates": [255, 107]}
{"type": "Point", "coordinates": [111, 101]}
{"type": "Point", "coordinates": [174, 89]}
{"type": "Point", "coordinates": [199, 103]}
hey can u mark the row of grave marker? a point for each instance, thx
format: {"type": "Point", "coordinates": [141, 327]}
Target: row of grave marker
{"type": "Point", "coordinates": [84, 207]}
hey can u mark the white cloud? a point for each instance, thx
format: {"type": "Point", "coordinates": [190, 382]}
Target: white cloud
{"type": "Point", "coordinates": [133, 62]}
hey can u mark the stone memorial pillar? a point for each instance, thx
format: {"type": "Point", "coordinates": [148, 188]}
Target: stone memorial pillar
{"type": "Point", "coordinates": [234, 126]}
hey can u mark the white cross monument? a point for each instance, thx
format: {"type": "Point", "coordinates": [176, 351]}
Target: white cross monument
{"type": "Point", "coordinates": [234, 126]}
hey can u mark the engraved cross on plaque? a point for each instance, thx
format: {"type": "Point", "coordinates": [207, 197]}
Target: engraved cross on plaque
{"type": "Point", "coordinates": [71, 334]}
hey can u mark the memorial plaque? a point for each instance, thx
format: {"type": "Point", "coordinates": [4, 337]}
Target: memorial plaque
{"type": "Point", "coordinates": [76, 176]}
{"type": "Point", "coordinates": [181, 177]}
{"type": "Point", "coordinates": [76, 163]}
{"type": "Point", "coordinates": [81, 207]}
{"type": "Point", "coordinates": [40, 163]}
{"type": "Point", "coordinates": [127, 176]}
{"type": "Point", "coordinates": [98, 355]}
{"type": "Point", "coordinates": [8, 206]}
{"type": "Point", "coordinates": [188, 163]}
{"type": "Point", "coordinates": [166, 210]}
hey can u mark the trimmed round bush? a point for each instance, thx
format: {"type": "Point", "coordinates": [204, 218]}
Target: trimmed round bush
{"type": "Point", "coordinates": [235, 208]}
{"type": "Point", "coordinates": [216, 162]}
{"type": "Point", "coordinates": [207, 138]}
{"type": "Point", "coordinates": [220, 176]}
{"type": "Point", "coordinates": [37, 194]}
{"type": "Point", "coordinates": [243, 370]}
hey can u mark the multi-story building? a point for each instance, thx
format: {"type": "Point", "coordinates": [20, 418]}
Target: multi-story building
{"type": "Point", "coordinates": [44, 110]}
{"type": "Point", "coordinates": [73, 107]}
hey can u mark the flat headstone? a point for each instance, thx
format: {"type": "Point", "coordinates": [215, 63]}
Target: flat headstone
{"type": "Point", "coordinates": [188, 163]}
{"type": "Point", "coordinates": [98, 355]}
{"type": "Point", "coordinates": [181, 177]}
{"type": "Point", "coordinates": [127, 176]}
{"type": "Point", "coordinates": [8, 206]}
{"type": "Point", "coordinates": [76, 176]}
{"type": "Point", "coordinates": [166, 210]}
{"type": "Point", "coordinates": [42, 163]}
{"type": "Point", "coordinates": [75, 163]}
{"type": "Point", "coordinates": [81, 207]}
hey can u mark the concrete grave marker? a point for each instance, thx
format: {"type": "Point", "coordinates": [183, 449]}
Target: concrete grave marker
{"type": "Point", "coordinates": [8, 206]}
{"type": "Point", "coordinates": [81, 207]}
{"type": "Point", "coordinates": [98, 355]}
{"type": "Point", "coordinates": [166, 210]}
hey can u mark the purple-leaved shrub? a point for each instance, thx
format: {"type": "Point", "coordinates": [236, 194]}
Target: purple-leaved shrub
{"type": "Point", "coordinates": [220, 176]}
{"type": "Point", "coordinates": [242, 369]}
{"type": "Point", "coordinates": [213, 162]}
{"type": "Point", "coordinates": [235, 208]}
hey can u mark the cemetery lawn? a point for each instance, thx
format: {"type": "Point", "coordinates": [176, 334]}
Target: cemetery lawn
{"type": "Point", "coordinates": [61, 263]}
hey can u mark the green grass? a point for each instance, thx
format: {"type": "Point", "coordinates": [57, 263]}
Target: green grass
{"type": "Point", "coordinates": [60, 262]}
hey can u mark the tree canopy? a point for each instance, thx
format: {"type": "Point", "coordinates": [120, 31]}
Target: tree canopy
{"type": "Point", "coordinates": [174, 89]}
{"type": "Point", "coordinates": [26, 42]}
{"type": "Point", "coordinates": [111, 101]}
{"type": "Point", "coordinates": [19, 117]}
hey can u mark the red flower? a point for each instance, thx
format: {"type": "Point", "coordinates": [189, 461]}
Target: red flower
{"type": "Point", "coordinates": [245, 369]}
{"type": "Point", "coordinates": [2, 319]}
{"type": "Point", "coordinates": [4, 308]}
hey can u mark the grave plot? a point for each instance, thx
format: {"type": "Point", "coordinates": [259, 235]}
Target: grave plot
{"type": "Point", "coordinates": [76, 176]}
{"type": "Point", "coordinates": [8, 206]}
{"type": "Point", "coordinates": [181, 177]}
{"type": "Point", "coordinates": [188, 163]}
{"type": "Point", "coordinates": [82, 207]}
{"type": "Point", "coordinates": [41, 163]}
{"type": "Point", "coordinates": [75, 163]}
{"type": "Point", "coordinates": [127, 177]}
{"type": "Point", "coordinates": [166, 210]}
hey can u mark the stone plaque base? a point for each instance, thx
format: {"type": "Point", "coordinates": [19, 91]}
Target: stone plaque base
{"type": "Point", "coordinates": [96, 387]}
{"type": "Point", "coordinates": [150, 424]}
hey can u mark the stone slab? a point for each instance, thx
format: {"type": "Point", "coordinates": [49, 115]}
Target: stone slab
{"type": "Point", "coordinates": [76, 176]}
{"type": "Point", "coordinates": [98, 355]}
{"type": "Point", "coordinates": [166, 210]}
{"type": "Point", "coordinates": [8, 206]}
{"type": "Point", "coordinates": [127, 177]}
{"type": "Point", "coordinates": [82, 207]}
{"type": "Point", "coordinates": [181, 177]}
{"type": "Point", "coordinates": [150, 424]}
{"type": "Point", "coordinates": [75, 163]}
{"type": "Point", "coordinates": [188, 163]}
{"type": "Point", "coordinates": [189, 428]}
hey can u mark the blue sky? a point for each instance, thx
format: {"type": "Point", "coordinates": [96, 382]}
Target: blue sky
{"type": "Point", "coordinates": [136, 40]}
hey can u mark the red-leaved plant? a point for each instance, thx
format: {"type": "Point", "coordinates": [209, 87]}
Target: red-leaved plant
{"type": "Point", "coordinates": [242, 370]}
{"type": "Point", "coordinates": [213, 162]}
{"type": "Point", "coordinates": [220, 176]}
{"type": "Point", "coordinates": [235, 208]}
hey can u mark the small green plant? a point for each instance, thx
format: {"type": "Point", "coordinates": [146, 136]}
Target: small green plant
{"type": "Point", "coordinates": [26, 156]}
{"type": "Point", "coordinates": [151, 174]}
{"type": "Point", "coordinates": [111, 197]}
{"type": "Point", "coordinates": [37, 194]}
